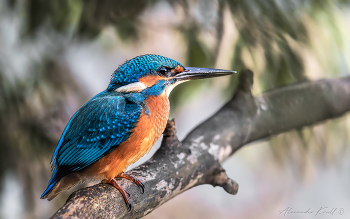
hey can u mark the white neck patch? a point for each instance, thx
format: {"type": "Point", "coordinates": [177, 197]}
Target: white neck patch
{"type": "Point", "coordinates": [139, 86]}
{"type": "Point", "coordinates": [133, 87]}
{"type": "Point", "coordinates": [169, 88]}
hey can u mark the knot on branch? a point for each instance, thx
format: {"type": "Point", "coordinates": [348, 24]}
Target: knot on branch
{"type": "Point", "coordinates": [170, 130]}
{"type": "Point", "coordinates": [246, 79]}
{"type": "Point", "coordinates": [169, 137]}
{"type": "Point", "coordinates": [243, 98]}
{"type": "Point", "coordinates": [221, 179]}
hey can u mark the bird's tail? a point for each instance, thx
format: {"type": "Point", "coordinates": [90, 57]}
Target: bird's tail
{"type": "Point", "coordinates": [48, 189]}
{"type": "Point", "coordinates": [55, 187]}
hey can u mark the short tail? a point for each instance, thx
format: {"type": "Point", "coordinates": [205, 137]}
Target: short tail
{"type": "Point", "coordinates": [48, 190]}
{"type": "Point", "coordinates": [55, 187]}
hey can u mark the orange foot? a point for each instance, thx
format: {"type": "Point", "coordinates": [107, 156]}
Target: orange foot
{"type": "Point", "coordinates": [132, 178]}
{"type": "Point", "coordinates": [124, 193]}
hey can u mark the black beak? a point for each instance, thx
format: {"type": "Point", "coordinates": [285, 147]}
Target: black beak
{"type": "Point", "coordinates": [192, 73]}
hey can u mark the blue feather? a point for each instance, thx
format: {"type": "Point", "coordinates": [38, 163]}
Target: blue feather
{"type": "Point", "coordinates": [48, 189]}
{"type": "Point", "coordinates": [107, 120]}
{"type": "Point", "coordinates": [80, 144]}
{"type": "Point", "coordinates": [137, 67]}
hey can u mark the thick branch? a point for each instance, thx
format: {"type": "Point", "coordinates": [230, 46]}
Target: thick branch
{"type": "Point", "coordinates": [178, 166]}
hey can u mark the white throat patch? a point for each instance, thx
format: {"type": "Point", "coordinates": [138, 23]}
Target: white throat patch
{"type": "Point", "coordinates": [169, 88]}
{"type": "Point", "coordinates": [133, 87]}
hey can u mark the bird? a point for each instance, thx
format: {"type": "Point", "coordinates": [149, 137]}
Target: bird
{"type": "Point", "coordinates": [120, 125]}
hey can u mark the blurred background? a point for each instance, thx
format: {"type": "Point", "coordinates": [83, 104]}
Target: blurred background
{"type": "Point", "coordinates": [55, 55]}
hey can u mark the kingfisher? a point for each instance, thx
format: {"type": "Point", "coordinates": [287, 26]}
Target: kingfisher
{"type": "Point", "coordinates": [119, 125]}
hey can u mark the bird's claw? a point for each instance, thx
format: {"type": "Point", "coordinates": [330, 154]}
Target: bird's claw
{"type": "Point", "coordinates": [142, 187]}
{"type": "Point", "coordinates": [133, 179]}
{"type": "Point", "coordinates": [124, 193]}
{"type": "Point", "coordinates": [128, 207]}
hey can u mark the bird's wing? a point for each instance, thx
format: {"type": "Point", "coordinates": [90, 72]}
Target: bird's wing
{"type": "Point", "coordinates": [95, 130]}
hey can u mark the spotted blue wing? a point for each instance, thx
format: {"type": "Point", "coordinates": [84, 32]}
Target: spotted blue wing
{"type": "Point", "coordinates": [94, 131]}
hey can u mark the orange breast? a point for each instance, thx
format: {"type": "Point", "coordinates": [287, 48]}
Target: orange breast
{"type": "Point", "coordinates": [145, 134]}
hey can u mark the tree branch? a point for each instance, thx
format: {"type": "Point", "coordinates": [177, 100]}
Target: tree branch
{"type": "Point", "coordinates": [178, 166]}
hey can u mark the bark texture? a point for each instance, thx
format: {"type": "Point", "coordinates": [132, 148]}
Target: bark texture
{"type": "Point", "coordinates": [178, 166]}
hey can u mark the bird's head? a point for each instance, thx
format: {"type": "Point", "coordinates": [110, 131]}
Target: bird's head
{"type": "Point", "coordinates": [152, 74]}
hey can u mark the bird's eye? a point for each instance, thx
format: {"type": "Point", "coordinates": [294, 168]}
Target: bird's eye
{"type": "Point", "coordinates": [163, 71]}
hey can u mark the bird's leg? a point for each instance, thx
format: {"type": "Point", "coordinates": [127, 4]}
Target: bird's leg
{"type": "Point", "coordinates": [124, 193]}
{"type": "Point", "coordinates": [132, 178]}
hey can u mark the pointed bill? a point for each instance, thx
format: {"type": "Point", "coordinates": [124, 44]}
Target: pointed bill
{"type": "Point", "coordinates": [192, 73]}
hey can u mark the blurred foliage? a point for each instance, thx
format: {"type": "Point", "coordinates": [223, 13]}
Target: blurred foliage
{"type": "Point", "coordinates": [87, 18]}
{"type": "Point", "coordinates": [35, 106]}
{"type": "Point", "coordinates": [266, 24]}
{"type": "Point", "coordinates": [197, 55]}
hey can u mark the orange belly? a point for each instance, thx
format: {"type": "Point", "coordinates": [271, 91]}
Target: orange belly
{"type": "Point", "coordinates": [147, 131]}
